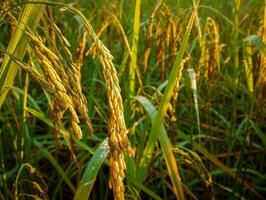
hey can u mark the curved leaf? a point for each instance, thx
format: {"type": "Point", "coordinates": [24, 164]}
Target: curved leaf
{"type": "Point", "coordinates": [90, 174]}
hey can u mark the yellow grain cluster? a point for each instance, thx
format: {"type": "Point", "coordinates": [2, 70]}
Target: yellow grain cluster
{"type": "Point", "coordinates": [73, 72]}
{"type": "Point", "coordinates": [30, 183]}
{"type": "Point", "coordinates": [171, 108]}
{"type": "Point", "coordinates": [62, 101]}
{"type": "Point", "coordinates": [118, 140]}
{"type": "Point", "coordinates": [64, 80]}
{"type": "Point", "coordinates": [195, 163]}
{"type": "Point", "coordinates": [81, 50]}
{"type": "Point", "coordinates": [163, 32]}
{"type": "Point", "coordinates": [262, 71]}
{"type": "Point", "coordinates": [6, 14]}
{"type": "Point", "coordinates": [117, 131]}
{"type": "Point", "coordinates": [210, 50]}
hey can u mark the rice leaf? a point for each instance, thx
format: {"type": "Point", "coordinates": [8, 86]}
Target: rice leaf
{"type": "Point", "coordinates": [29, 18]}
{"type": "Point", "coordinates": [86, 183]}
{"type": "Point", "coordinates": [165, 144]}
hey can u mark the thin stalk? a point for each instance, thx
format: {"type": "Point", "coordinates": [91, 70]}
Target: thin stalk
{"type": "Point", "coordinates": [193, 82]}
{"type": "Point", "coordinates": [179, 7]}
{"type": "Point", "coordinates": [121, 5]}
{"type": "Point", "coordinates": [236, 40]}
{"type": "Point", "coordinates": [236, 60]}
{"type": "Point", "coordinates": [197, 22]}
{"type": "Point", "coordinates": [134, 50]}
{"type": "Point", "coordinates": [24, 117]}
{"type": "Point", "coordinates": [25, 95]}
{"type": "Point", "coordinates": [200, 36]}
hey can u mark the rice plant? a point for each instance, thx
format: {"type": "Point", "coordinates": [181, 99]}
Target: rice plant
{"type": "Point", "coordinates": [132, 99]}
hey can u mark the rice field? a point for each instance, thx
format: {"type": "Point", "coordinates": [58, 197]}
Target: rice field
{"type": "Point", "coordinates": [123, 99]}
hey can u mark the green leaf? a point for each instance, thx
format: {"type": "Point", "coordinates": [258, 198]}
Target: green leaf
{"type": "Point", "coordinates": [165, 144]}
{"type": "Point", "coordinates": [29, 18]}
{"type": "Point", "coordinates": [259, 132]}
{"type": "Point", "coordinates": [90, 174]}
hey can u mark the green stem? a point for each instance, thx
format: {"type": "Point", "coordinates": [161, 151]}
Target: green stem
{"type": "Point", "coordinates": [134, 50]}
{"type": "Point", "coordinates": [236, 61]}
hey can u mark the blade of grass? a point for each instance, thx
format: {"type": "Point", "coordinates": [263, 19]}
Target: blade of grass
{"type": "Point", "coordinates": [29, 18]}
{"type": "Point", "coordinates": [165, 144]}
{"type": "Point", "coordinates": [193, 84]}
{"type": "Point", "coordinates": [134, 50]}
{"type": "Point", "coordinates": [259, 132]}
{"type": "Point", "coordinates": [86, 183]}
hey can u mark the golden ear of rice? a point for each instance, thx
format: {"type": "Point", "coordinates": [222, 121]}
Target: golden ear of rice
{"type": "Point", "coordinates": [29, 182]}
{"type": "Point", "coordinates": [192, 159]}
{"type": "Point", "coordinates": [65, 83]}
{"type": "Point", "coordinates": [262, 72]}
{"type": "Point", "coordinates": [117, 131]}
{"type": "Point", "coordinates": [209, 62]}
{"type": "Point", "coordinates": [164, 31]}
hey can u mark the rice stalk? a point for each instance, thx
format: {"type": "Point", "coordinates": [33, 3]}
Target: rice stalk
{"type": "Point", "coordinates": [110, 19]}
{"type": "Point", "coordinates": [262, 71]}
{"type": "Point", "coordinates": [134, 49]}
{"type": "Point", "coordinates": [193, 83]}
{"type": "Point", "coordinates": [247, 54]}
{"type": "Point", "coordinates": [92, 50]}
{"type": "Point", "coordinates": [117, 132]}
{"type": "Point", "coordinates": [171, 110]}
{"type": "Point", "coordinates": [149, 35]}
